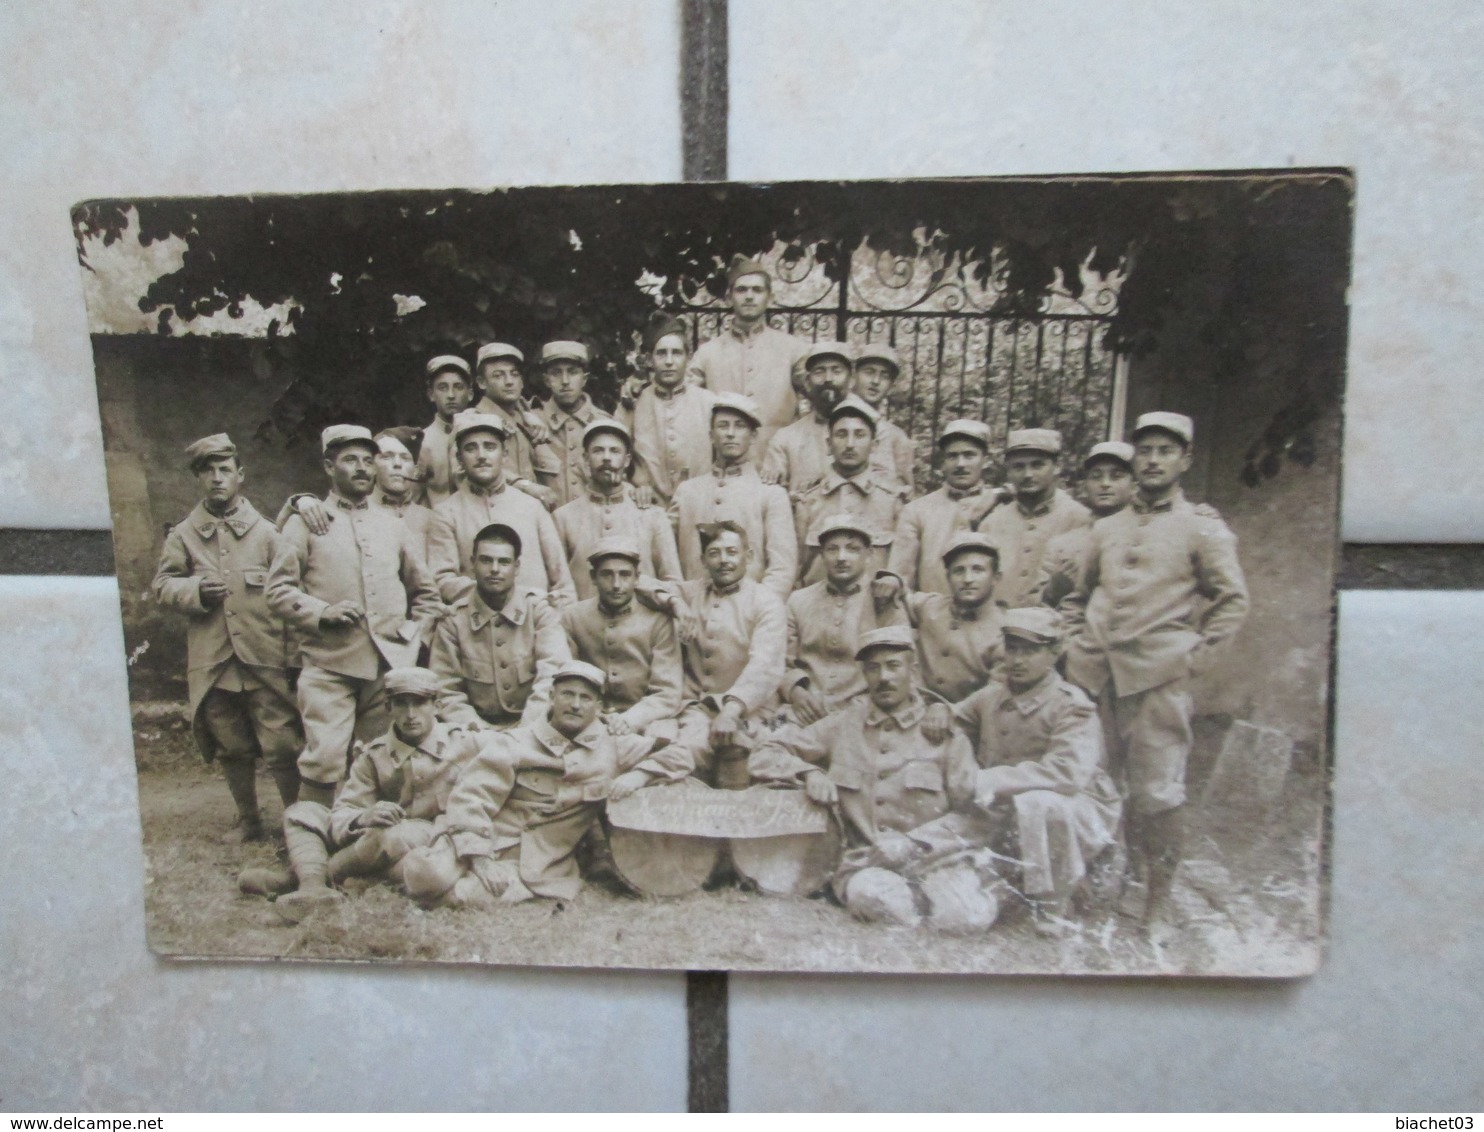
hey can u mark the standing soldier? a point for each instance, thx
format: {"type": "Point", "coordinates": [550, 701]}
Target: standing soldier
{"type": "Point", "coordinates": [450, 390]}
{"type": "Point", "coordinates": [671, 418]}
{"type": "Point", "coordinates": [873, 763]}
{"type": "Point", "coordinates": [607, 508]}
{"type": "Point", "coordinates": [1160, 590]}
{"type": "Point", "coordinates": [495, 655]}
{"type": "Point", "coordinates": [484, 498]}
{"type": "Point", "coordinates": [750, 357]}
{"type": "Point", "coordinates": [531, 463]}
{"type": "Point", "coordinates": [799, 453]}
{"type": "Point", "coordinates": [733, 652]}
{"type": "Point", "coordinates": [359, 595]}
{"type": "Point", "coordinates": [1041, 511]}
{"type": "Point", "coordinates": [852, 485]}
{"type": "Point", "coordinates": [927, 523]}
{"type": "Point", "coordinates": [1109, 486]}
{"type": "Point", "coordinates": [564, 365]}
{"type": "Point", "coordinates": [877, 368]}
{"type": "Point", "coordinates": [732, 490]}
{"type": "Point", "coordinates": [398, 785]}
{"type": "Point", "coordinates": [827, 620]}
{"type": "Point", "coordinates": [634, 646]}
{"type": "Point", "coordinates": [213, 569]}
{"type": "Point", "coordinates": [958, 636]}
{"type": "Point", "coordinates": [515, 820]}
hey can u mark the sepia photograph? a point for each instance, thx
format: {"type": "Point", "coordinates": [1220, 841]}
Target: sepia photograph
{"type": "Point", "coordinates": [925, 576]}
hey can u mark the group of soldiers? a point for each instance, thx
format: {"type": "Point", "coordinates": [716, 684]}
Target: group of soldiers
{"type": "Point", "coordinates": [490, 628]}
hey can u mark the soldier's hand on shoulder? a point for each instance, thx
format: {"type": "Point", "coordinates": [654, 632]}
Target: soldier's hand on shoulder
{"type": "Point", "coordinates": [937, 723]}
{"type": "Point", "coordinates": [341, 614]}
{"type": "Point", "coordinates": [643, 496]}
{"type": "Point", "coordinates": [315, 514]}
{"type": "Point", "coordinates": [542, 495]}
{"type": "Point", "coordinates": [769, 475]}
{"type": "Point", "coordinates": [807, 705]}
{"type": "Point", "coordinates": [626, 783]}
{"type": "Point", "coordinates": [819, 789]}
{"type": "Point", "coordinates": [618, 725]}
{"type": "Point", "coordinates": [885, 588]}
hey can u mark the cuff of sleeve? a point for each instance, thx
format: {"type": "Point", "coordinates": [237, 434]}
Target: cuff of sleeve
{"type": "Point", "coordinates": [471, 845]}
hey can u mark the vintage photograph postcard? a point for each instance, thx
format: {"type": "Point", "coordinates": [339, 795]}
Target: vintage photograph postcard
{"type": "Point", "coordinates": [912, 576]}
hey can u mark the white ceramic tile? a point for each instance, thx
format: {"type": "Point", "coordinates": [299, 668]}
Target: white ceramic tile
{"type": "Point", "coordinates": [1389, 1022]}
{"type": "Point", "coordinates": [219, 97]}
{"type": "Point", "coordinates": [873, 88]}
{"type": "Point", "coordinates": [89, 1020]}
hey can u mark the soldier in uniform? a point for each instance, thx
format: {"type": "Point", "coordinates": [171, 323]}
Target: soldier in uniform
{"type": "Point", "coordinates": [1041, 511]}
{"type": "Point", "coordinates": [450, 389]}
{"type": "Point", "coordinates": [634, 646]}
{"type": "Point", "coordinates": [1160, 591]}
{"type": "Point", "coordinates": [531, 464]}
{"type": "Point", "coordinates": [827, 620]}
{"type": "Point", "coordinates": [564, 365]}
{"type": "Point", "coordinates": [1043, 791]}
{"type": "Point", "coordinates": [958, 636]}
{"type": "Point", "coordinates": [671, 418]}
{"type": "Point", "coordinates": [1108, 483]}
{"type": "Point", "coordinates": [360, 596]}
{"type": "Point", "coordinates": [732, 490]}
{"type": "Point", "coordinates": [877, 368]}
{"type": "Point", "coordinates": [798, 455]}
{"type": "Point", "coordinates": [961, 504]}
{"type": "Point", "coordinates": [515, 820]}
{"type": "Point", "coordinates": [213, 569]}
{"type": "Point", "coordinates": [733, 639]}
{"type": "Point", "coordinates": [496, 653]}
{"type": "Point", "coordinates": [872, 762]}
{"type": "Point", "coordinates": [399, 783]}
{"type": "Point", "coordinates": [607, 508]}
{"type": "Point", "coordinates": [750, 357]}
{"type": "Point", "coordinates": [484, 498]}
{"type": "Point", "coordinates": [852, 485]}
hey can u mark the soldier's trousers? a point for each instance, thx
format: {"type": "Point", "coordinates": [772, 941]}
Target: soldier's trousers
{"type": "Point", "coordinates": [1150, 744]}
{"type": "Point", "coordinates": [336, 710]}
{"type": "Point", "coordinates": [382, 848]}
{"type": "Point", "coordinates": [261, 718]}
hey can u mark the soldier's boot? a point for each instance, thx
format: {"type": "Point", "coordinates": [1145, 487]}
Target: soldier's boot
{"type": "Point", "coordinates": [242, 781]}
{"type": "Point", "coordinates": [286, 778]}
{"type": "Point", "coordinates": [310, 861]}
{"type": "Point", "coordinates": [364, 856]}
{"type": "Point", "coordinates": [1134, 895]}
{"type": "Point", "coordinates": [1051, 914]}
{"type": "Point", "coordinates": [266, 881]}
{"type": "Point", "coordinates": [1164, 839]}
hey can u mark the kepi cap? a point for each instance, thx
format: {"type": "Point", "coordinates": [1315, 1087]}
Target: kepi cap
{"type": "Point", "coordinates": [739, 403]}
{"type": "Point", "coordinates": [564, 351]}
{"type": "Point", "coordinates": [887, 637]}
{"type": "Point", "coordinates": [581, 670]}
{"type": "Point", "coordinates": [746, 265]}
{"type": "Point", "coordinates": [977, 431]}
{"type": "Point", "coordinates": [1038, 623]}
{"type": "Point", "coordinates": [410, 681]}
{"type": "Point", "coordinates": [471, 420]}
{"type": "Point", "coordinates": [442, 362]}
{"type": "Point", "coordinates": [834, 524]}
{"type": "Point", "coordinates": [965, 541]}
{"type": "Point", "coordinates": [1110, 450]}
{"type": "Point", "coordinates": [339, 435]}
{"type": "Point", "coordinates": [1177, 423]}
{"type": "Point", "coordinates": [408, 436]}
{"type": "Point", "coordinates": [607, 424]}
{"type": "Point", "coordinates": [209, 447]}
{"type": "Point", "coordinates": [497, 350]}
{"type": "Point", "coordinates": [842, 350]}
{"type": "Point", "coordinates": [1046, 440]}
{"type": "Point", "coordinates": [615, 547]}
{"type": "Point", "coordinates": [878, 352]}
{"type": "Point", "coordinates": [852, 406]}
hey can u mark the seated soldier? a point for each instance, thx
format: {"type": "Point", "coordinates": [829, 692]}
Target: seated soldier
{"type": "Point", "coordinates": [826, 621]}
{"type": "Point", "coordinates": [632, 644]}
{"type": "Point", "coordinates": [398, 783]}
{"type": "Point", "coordinates": [1043, 794]}
{"type": "Point", "coordinates": [496, 652]}
{"type": "Point", "coordinates": [958, 637]}
{"type": "Point", "coordinates": [512, 827]}
{"type": "Point", "coordinates": [874, 762]}
{"type": "Point", "coordinates": [733, 636]}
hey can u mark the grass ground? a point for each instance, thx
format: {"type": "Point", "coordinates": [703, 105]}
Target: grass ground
{"type": "Point", "coordinates": [1250, 899]}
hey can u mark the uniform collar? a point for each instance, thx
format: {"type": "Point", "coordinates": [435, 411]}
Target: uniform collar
{"type": "Point", "coordinates": [907, 716]}
{"type": "Point", "coordinates": [1043, 508]}
{"type": "Point", "coordinates": [669, 394]}
{"type": "Point", "coordinates": [385, 500]}
{"type": "Point", "coordinates": [554, 740]}
{"type": "Point", "coordinates": [723, 472]}
{"type": "Point", "coordinates": [963, 613]}
{"type": "Point", "coordinates": [335, 499]}
{"type": "Point", "coordinates": [582, 414]}
{"type": "Point", "coordinates": [740, 332]}
{"type": "Point", "coordinates": [829, 588]}
{"type": "Point", "coordinates": [966, 493]}
{"type": "Point", "coordinates": [1166, 504]}
{"type": "Point", "coordinates": [481, 614]}
{"type": "Point", "coordinates": [443, 426]}
{"type": "Point", "coordinates": [862, 481]}
{"type": "Point", "coordinates": [615, 615]}
{"type": "Point", "coordinates": [619, 496]}
{"type": "Point", "coordinates": [719, 591]}
{"type": "Point", "coordinates": [434, 746]}
{"type": "Point", "coordinates": [485, 492]}
{"type": "Point", "coordinates": [239, 518]}
{"type": "Point", "coordinates": [1033, 697]}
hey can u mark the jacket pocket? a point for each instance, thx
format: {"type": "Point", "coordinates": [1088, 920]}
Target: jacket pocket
{"type": "Point", "coordinates": [255, 579]}
{"type": "Point", "coordinates": [848, 778]}
{"type": "Point", "coordinates": [923, 776]}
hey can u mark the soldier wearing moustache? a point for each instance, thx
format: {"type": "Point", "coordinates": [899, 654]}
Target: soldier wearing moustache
{"type": "Point", "coordinates": [1041, 511]}
{"type": "Point", "coordinates": [798, 455]}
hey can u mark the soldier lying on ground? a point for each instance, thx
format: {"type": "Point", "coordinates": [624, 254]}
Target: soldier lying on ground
{"type": "Point", "coordinates": [513, 825]}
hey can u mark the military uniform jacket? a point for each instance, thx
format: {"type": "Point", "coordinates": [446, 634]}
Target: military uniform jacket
{"type": "Point", "coordinates": [566, 443]}
{"type": "Point", "coordinates": [888, 775]}
{"type": "Point", "coordinates": [765, 363]}
{"type": "Point", "coordinates": [896, 451]}
{"type": "Point", "coordinates": [824, 626]}
{"type": "Point", "coordinates": [419, 779]}
{"type": "Point", "coordinates": [367, 556]}
{"type": "Point", "coordinates": [437, 464]}
{"type": "Point", "coordinates": [738, 651]}
{"type": "Point", "coordinates": [923, 530]}
{"type": "Point", "coordinates": [417, 518]}
{"type": "Point", "coordinates": [543, 565]}
{"type": "Point", "coordinates": [590, 517]}
{"type": "Point", "coordinates": [1047, 737]}
{"type": "Point", "coordinates": [1060, 566]}
{"type": "Point", "coordinates": [672, 437]}
{"type": "Point", "coordinates": [959, 649]}
{"type": "Point", "coordinates": [1022, 535]}
{"type": "Point", "coordinates": [870, 497]}
{"type": "Point", "coordinates": [638, 650]}
{"type": "Point", "coordinates": [498, 666]}
{"type": "Point", "coordinates": [798, 455]}
{"type": "Point", "coordinates": [761, 509]}
{"type": "Point", "coordinates": [1134, 612]}
{"type": "Point", "coordinates": [523, 459]}
{"type": "Point", "coordinates": [534, 788]}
